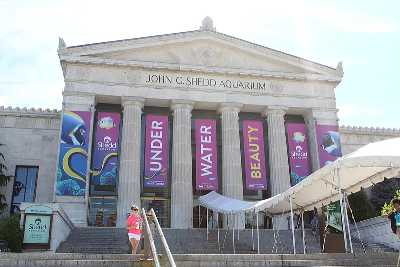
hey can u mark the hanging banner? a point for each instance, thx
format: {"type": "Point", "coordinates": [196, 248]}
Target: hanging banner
{"type": "Point", "coordinates": [254, 155]}
{"type": "Point", "coordinates": [328, 140]}
{"type": "Point", "coordinates": [105, 154]}
{"type": "Point", "coordinates": [156, 155]}
{"type": "Point", "coordinates": [72, 159]}
{"type": "Point", "coordinates": [299, 159]}
{"type": "Point", "coordinates": [206, 154]}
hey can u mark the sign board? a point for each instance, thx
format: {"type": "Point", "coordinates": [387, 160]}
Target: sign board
{"type": "Point", "coordinates": [37, 226]}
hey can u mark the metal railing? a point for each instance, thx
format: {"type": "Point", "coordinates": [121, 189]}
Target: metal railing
{"type": "Point", "coordinates": [152, 215]}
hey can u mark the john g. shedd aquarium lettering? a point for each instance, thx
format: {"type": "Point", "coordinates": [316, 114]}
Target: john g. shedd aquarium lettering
{"type": "Point", "coordinates": [205, 82]}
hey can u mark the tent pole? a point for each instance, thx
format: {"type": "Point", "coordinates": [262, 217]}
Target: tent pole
{"type": "Point", "coordinates": [291, 217]}
{"type": "Point", "coordinates": [258, 235]}
{"type": "Point", "coordinates": [207, 224]}
{"type": "Point", "coordinates": [304, 232]}
{"type": "Point", "coordinates": [347, 222]}
{"type": "Point", "coordinates": [252, 231]}
{"type": "Point", "coordinates": [342, 208]}
{"type": "Point", "coordinates": [218, 230]}
{"type": "Point", "coordinates": [233, 233]}
{"type": "Point", "coordinates": [343, 221]}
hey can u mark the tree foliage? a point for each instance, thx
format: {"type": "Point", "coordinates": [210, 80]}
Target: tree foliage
{"type": "Point", "coordinates": [4, 179]}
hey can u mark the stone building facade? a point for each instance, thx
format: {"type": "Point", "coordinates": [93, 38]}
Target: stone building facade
{"type": "Point", "coordinates": [183, 77]}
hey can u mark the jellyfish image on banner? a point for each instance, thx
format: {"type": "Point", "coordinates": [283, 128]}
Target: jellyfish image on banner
{"type": "Point", "coordinates": [72, 160]}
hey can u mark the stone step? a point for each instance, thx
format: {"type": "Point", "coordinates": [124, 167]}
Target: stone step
{"type": "Point", "coordinates": [190, 260]}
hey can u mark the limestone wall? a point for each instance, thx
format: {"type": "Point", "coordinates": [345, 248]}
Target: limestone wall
{"type": "Point", "coordinates": [353, 138]}
{"type": "Point", "coordinates": [30, 137]}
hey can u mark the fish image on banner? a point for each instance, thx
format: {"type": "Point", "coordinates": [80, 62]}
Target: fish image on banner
{"type": "Point", "coordinates": [299, 160]}
{"type": "Point", "coordinates": [156, 155]}
{"type": "Point", "coordinates": [206, 154]}
{"type": "Point", "coordinates": [104, 171]}
{"type": "Point", "coordinates": [72, 159]}
{"type": "Point", "coordinates": [329, 148]}
{"type": "Point", "coordinates": [254, 155]}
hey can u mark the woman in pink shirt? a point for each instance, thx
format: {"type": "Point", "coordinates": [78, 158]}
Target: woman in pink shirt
{"type": "Point", "coordinates": [134, 226]}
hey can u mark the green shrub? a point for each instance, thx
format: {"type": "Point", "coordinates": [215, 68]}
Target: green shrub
{"type": "Point", "coordinates": [388, 207]}
{"type": "Point", "coordinates": [11, 232]}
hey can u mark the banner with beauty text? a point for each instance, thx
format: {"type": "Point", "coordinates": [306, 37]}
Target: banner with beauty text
{"type": "Point", "coordinates": [254, 155]}
{"type": "Point", "coordinates": [206, 154]}
{"type": "Point", "coordinates": [299, 158]}
{"type": "Point", "coordinates": [156, 153]}
{"type": "Point", "coordinates": [105, 153]}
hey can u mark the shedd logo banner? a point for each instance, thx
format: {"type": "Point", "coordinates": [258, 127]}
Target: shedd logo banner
{"type": "Point", "coordinates": [299, 160]}
{"type": "Point", "coordinates": [37, 229]}
{"type": "Point", "coordinates": [105, 153]}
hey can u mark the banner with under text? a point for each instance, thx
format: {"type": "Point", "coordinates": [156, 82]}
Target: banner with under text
{"type": "Point", "coordinates": [156, 154]}
{"type": "Point", "coordinates": [206, 154]}
{"type": "Point", "coordinates": [254, 155]}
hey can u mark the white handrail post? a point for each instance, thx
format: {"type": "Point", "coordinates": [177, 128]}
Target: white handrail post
{"type": "Point", "coordinates": [218, 229]}
{"type": "Point", "coordinates": [199, 215]}
{"type": "Point", "coordinates": [207, 224]}
{"type": "Point", "coordinates": [304, 232]}
{"type": "Point", "coordinates": [258, 236]}
{"type": "Point", "coordinates": [252, 230]}
{"type": "Point", "coordinates": [347, 222]}
{"type": "Point", "coordinates": [163, 239]}
{"type": "Point", "coordinates": [151, 240]}
{"type": "Point", "coordinates": [291, 216]}
{"type": "Point", "coordinates": [233, 233]}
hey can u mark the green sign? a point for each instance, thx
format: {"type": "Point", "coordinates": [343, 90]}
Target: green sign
{"type": "Point", "coordinates": [335, 215]}
{"type": "Point", "coordinates": [37, 229]}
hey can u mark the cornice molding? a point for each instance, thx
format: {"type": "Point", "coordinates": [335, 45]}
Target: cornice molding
{"type": "Point", "coordinates": [200, 69]}
{"type": "Point", "coordinates": [369, 130]}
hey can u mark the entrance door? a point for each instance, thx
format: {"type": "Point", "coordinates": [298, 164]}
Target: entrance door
{"type": "Point", "coordinates": [102, 211]}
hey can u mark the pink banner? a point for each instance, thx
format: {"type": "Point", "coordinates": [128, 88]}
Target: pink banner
{"type": "Point", "coordinates": [254, 155]}
{"type": "Point", "coordinates": [299, 159]}
{"type": "Point", "coordinates": [329, 148]}
{"type": "Point", "coordinates": [206, 154]}
{"type": "Point", "coordinates": [156, 156]}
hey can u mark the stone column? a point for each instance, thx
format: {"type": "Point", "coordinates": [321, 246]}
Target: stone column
{"type": "Point", "coordinates": [76, 206]}
{"type": "Point", "coordinates": [278, 157]}
{"type": "Point", "coordinates": [129, 162]}
{"type": "Point", "coordinates": [181, 180]}
{"type": "Point", "coordinates": [312, 140]}
{"type": "Point", "coordinates": [232, 184]}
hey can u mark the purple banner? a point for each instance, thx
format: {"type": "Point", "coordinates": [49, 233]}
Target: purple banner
{"type": "Point", "coordinates": [72, 160]}
{"type": "Point", "coordinates": [299, 159]}
{"type": "Point", "coordinates": [254, 155]}
{"type": "Point", "coordinates": [206, 154]}
{"type": "Point", "coordinates": [105, 153]}
{"type": "Point", "coordinates": [328, 140]}
{"type": "Point", "coordinates": [156, 156]}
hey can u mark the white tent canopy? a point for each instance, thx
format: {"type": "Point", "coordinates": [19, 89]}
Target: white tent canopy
{"type": "Point", "coordinates": [360, 169]}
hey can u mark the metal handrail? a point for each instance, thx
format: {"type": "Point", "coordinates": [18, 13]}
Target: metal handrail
{"type": "Point", "coordinates": [151, 240]}
{"type": "Point", "coordinates": [163, 240]}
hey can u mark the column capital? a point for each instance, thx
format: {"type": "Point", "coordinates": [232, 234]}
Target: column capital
{"type": "Point", "coordinates": [179, 103]}
{"type": "Point", "coordinates": [276, 110]}
{"type": "Point", "coordinates": [230, 107]}
{"type": "Point", "coordinates": [323, 115]}
{"type": "Point", "coordinates": [136, 101]}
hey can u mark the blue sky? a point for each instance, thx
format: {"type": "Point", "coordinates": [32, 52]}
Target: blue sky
{"type": "Point", "coordinates": [362, 34]}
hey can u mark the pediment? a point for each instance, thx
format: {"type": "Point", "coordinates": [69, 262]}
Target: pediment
{"type": "Point", "coordinates": [201, 49]}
